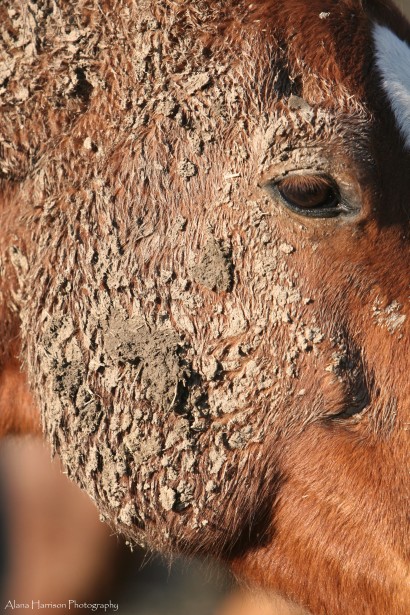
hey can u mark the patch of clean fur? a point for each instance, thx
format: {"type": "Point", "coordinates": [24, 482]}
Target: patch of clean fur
{"type": "Point", "coordinates": [393, 62]}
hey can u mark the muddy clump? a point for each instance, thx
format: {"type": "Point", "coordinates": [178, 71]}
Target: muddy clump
{"type": "Point", "coordinates": [214, 268]}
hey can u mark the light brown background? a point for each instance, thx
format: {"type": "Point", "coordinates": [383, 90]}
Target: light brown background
{"type": "Point", "coordinates": [404, 5]}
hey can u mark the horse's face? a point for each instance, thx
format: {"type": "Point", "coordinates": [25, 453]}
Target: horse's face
{"type": "Point", "coordinates": [215, 300]}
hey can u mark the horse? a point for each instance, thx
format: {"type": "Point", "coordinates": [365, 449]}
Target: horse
{"type": "Point", "coordinates": [205, 278]}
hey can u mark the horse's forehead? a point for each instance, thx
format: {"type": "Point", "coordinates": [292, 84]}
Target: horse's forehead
{"type": "Point", "coordinates": [348, 59]}
{"type": "Point", "coordinates": [300, 48]}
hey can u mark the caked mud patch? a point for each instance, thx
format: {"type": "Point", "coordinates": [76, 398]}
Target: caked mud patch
{"type": "Point", "coordinates": [157, 355]}
{"type": "Point", "coordinates": [213, 268]}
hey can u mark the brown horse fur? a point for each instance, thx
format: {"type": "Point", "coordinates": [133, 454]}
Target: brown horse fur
{"type": "Point", "coordinates": [221, 375]}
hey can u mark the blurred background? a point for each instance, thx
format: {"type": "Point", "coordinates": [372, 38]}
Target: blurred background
{"type": "Point", "coordinates": [53, 549]}
{"type": "Point", "coordinates": [404, 5]}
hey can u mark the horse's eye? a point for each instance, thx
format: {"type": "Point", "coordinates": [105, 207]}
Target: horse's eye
{"type": "Point", "coordinates": [310, 195]}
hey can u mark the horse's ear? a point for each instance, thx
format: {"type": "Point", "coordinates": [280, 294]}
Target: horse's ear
{"type": "Point", "coordinates": [393, 63]}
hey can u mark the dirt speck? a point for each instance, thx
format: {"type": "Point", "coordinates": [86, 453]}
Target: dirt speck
{"type": "Point", "coordinates": [286, 248]}
{"type": "Point", "coordinates": [197, 82]}
{"type": "Point", "coordinates": [187, 169]}
{"type": "Point", "coordinates": [167, 497]}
